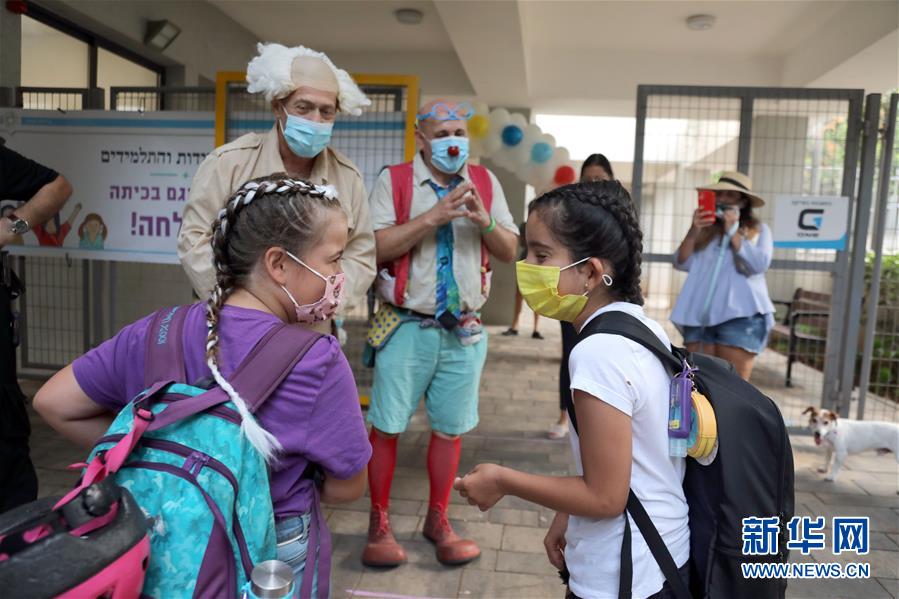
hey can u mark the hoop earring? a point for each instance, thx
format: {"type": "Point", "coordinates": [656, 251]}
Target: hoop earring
{"type": "Point", "coordinates": [607, 280]}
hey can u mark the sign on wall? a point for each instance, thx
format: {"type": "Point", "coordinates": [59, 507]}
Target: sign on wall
{"type": "Point", "coordinates": [130, 173]}
{"type": "Point", "coordinates": [811, 222]}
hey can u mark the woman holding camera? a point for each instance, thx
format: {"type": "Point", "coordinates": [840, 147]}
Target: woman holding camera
{"type": "Point", "coordinates": [724, 309]}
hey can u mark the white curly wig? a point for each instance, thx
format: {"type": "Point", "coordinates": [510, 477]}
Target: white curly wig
{"type": "Point", "coordinates": [269, 74]}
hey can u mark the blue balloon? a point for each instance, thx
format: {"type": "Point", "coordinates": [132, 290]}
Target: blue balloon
{"type": "Point", "coordinates": [512, 135]}
{"type": "Point", "coordinates": [541, 152]}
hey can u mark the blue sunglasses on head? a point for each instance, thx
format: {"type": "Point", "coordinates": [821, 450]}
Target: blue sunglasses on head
{"type": "Point", "coordinates": [444, 112]}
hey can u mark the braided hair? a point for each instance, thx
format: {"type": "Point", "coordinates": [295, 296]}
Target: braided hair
{"type": "Point", "coordinates": [597, 220]}
{"type": "Point", "coordinates": [273, 211]}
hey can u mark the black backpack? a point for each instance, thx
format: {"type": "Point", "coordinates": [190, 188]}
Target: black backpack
{"type": "Point", "coordinates": [721, 494]}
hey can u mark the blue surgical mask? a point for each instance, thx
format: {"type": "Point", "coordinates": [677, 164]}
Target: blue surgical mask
{"type": "Point", "coordinates": [441, 157]}
{"type": "Point", "coordinates": [306, 138]}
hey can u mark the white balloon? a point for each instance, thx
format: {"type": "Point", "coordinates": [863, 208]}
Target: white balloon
{"type": "Point", "coordinates": [499, 118]}
{"type": "Point", "coordinates": [517, 159]}
{"type": "Point", "coordinates": [523, 171]}
{"type": "Point", "coordinates": [505, 155]}
{"type": "Point", "coordinates": [491, 144]}
{"type": "Point", "coordinates": [548, 170]}
{"type": "Point", "coordinates": [521, 154]}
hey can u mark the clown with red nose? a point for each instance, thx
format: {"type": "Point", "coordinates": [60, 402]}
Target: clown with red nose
{"type": "Point", "coordinates": [438, 220]}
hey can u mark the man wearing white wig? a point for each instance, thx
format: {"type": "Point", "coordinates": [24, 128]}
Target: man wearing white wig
{"type": "Point", "coordinates": [306, 91]}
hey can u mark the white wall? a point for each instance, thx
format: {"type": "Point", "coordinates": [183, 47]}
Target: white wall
{"type": "Point", "coordinates": [874, 69]}
{"type": "Point", "coordinates": [846, 34]}
{"type": "Point", "coordinates": [615, 74]}
{"type": "Point", "coordinates": [440, 73]}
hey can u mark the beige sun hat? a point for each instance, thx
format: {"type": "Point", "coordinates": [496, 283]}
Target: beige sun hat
{"type": "Point", "coordinates": [736, 181]}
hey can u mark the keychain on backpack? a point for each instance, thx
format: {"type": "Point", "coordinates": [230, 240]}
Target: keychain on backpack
{"type": "Point", "coordinates": [680, 417]}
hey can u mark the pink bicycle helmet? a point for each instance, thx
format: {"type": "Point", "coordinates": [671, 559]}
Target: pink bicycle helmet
{"type": "Point", "coordinates": [96, 545]}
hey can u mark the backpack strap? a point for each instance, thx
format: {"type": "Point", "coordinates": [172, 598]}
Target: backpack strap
{"type": "Point", "coordinates": [480, 178]}
{"type": "Point", "coordinates": [656, 546]}
{"type": "Point", "coordinates": [625, 325]}
{"type": "Point", "coordinates": [401, 184]}
{"type": "Point", "coordinates": [270, 361]}
{"type": "Point", "coordinates": [164, 357]}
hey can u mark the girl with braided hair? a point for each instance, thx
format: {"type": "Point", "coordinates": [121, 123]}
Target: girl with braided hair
{"type": "Point", "coordinates": [596, 167]}
{"type": "Point", "coordinates": [277, 246]}
{"type": "Point", "coordinates": [584, 255]}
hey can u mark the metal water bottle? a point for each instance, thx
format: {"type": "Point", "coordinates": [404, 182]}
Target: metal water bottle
{"type": "Point", "coordinates": [270, 580]}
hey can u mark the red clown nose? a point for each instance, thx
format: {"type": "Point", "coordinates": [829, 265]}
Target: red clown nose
{"type": "Point", "coordinates": [453, 151]}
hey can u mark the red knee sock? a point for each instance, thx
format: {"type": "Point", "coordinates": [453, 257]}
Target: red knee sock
{"type": "Point", "coordinates": [380, 469]}
{"type": "Point", "coordinates": [443, 463]}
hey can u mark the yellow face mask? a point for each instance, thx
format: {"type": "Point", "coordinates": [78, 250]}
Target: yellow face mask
{"type": "Point", "coordinates": [539, 286]}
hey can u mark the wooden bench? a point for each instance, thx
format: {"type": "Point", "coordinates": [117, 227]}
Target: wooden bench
{"type": "Point", "coordinates": [808, 308]}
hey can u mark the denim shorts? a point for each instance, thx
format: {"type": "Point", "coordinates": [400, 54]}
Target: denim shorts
{"type": "Point", "coordinates": [749, 333]}
{"type": "Point", "coordinates": [293, 543]}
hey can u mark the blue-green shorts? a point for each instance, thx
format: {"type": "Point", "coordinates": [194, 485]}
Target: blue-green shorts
{"type": "Point", "coordinates": [429, 362]}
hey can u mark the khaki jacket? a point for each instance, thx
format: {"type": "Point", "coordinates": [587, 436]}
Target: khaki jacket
{"type": "Point", "coordinates": [256, 155]}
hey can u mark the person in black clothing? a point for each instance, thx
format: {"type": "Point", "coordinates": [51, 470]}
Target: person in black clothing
{"type": "Point", "coordinates": [595, 168]}
{"type": "Point", "coordinates": [43, 191]}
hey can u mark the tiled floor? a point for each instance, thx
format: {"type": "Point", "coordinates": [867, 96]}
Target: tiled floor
{"type": "Point", "coordinates": [518, 402]}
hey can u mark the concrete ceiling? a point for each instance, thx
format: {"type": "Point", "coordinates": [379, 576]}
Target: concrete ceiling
{"type": "Point", "coordinates": [763, 29]}
{"type": "Point", "coordinates": [571, 56]}
{"type": "Point", "coordinates": [340, 25]}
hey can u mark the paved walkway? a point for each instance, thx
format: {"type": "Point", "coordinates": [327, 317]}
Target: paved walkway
{"type": "Point", "coordinates": [518, 402]}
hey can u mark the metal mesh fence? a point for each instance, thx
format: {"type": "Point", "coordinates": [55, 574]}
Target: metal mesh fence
{"type": "Point", "coordinates": [52, 311]}
{"type": "Point", "coordinates": [70, 305]}
{"type": "Point", "coordinates": [788, 146]}
{"type": "Point", "coordinates": [48, 98]}
{"type": "Point", "coordinates": [194, 99]}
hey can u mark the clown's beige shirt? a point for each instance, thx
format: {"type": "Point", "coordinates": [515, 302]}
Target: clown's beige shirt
{"type": "Point", "coordinates": [256, 155]}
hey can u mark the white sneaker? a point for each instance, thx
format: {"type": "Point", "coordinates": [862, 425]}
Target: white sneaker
{"type": "Point", "coordinates": [558, 431]}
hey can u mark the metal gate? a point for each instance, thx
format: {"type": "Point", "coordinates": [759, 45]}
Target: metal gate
{"type": "Point", "coordinates": [790, 141]}
{"type": "Point", "coordinates": [878, 372]}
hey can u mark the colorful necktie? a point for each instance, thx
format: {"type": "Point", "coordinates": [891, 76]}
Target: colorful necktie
{"type": "Point", "coordinates": [447, 289]}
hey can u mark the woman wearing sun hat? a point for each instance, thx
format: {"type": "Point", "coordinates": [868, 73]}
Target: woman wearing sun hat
{"type": "Point", "coordinates": [724, 309]}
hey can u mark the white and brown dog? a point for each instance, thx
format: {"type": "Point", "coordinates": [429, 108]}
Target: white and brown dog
{"type": "Point", "coordinates": [842, 437]}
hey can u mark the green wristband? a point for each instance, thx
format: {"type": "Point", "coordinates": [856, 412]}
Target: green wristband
{"type": "Point", "coordinates": [490, 227]}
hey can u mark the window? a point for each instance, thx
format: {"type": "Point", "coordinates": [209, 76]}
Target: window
{"type": "Point", "coordinates": [58, 53]}
{"type": "Point", "coordinates": [115, 71]}
{"type": "Point", "coordinates": [50, 58]}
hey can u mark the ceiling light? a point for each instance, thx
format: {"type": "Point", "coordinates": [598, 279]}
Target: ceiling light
{"type": "Point", "coordinates": [700, 22]}
{"type": "Point", "coordinates": [160, 34]}
{"type": "Point", "coordinates": [409, 16]}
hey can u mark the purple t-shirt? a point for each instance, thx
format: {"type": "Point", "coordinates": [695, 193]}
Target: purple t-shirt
{"type": "Point", "coordinates": [314, 413]}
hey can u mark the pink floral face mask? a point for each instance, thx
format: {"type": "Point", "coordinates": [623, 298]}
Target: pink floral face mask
{"type": "Point", "coordinates": [327, 305]}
